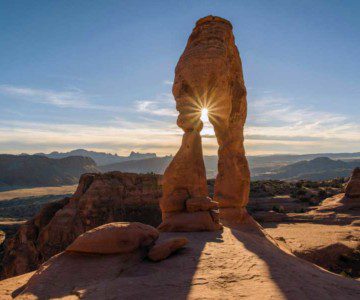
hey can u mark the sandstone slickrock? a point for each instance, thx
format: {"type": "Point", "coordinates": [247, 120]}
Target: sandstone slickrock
{"type": "Point", "coordinates": [99, 199]}
{"type": "Point", "coordinates": [164, 249]}
{"type": "Point", "coordinates": [116, 237]}
{"type": "Point", "coordinates": [234, 263]}
{"type": "Point", "coordinates": [208, 75]}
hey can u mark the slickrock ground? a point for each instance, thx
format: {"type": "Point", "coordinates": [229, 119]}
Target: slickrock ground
{"type": "Point", "coordinates": [328, 235]}
{"type": "Point", "coordinates": [230, 264]}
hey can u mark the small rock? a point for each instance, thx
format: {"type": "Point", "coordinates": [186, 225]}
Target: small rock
{"type": "Point", "coordinates": [164, 249]}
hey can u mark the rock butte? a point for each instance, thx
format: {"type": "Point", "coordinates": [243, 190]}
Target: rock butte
{"type": "Point", "coordinates": [208, 75]}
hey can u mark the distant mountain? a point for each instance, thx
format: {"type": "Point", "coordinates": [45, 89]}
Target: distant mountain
{"type": "Point", "coordinates": [150, 165]}
{"type": "Point", "coordinates": [100, 158]}
{"type": "Point", "coordinates": [262, 167]}
{"type": "Point", "coordinates": [320, 168]}
{"type": "Point", "coordinates": [157, 165]}
{"type": "Point", "coordinates": [264, 163]}
{"type": "Point", "coordinates": [35, 170]}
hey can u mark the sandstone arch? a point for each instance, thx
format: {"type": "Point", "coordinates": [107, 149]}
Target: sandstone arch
{"type": "Point", "coordinates": [208, 75]}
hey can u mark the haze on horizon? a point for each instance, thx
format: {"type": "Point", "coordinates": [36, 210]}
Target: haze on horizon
{"type": "Point", "coordinates": [98, 75]}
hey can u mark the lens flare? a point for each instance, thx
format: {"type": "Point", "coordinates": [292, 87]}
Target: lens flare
{"type": "Point", "coordinates": [204, 115]}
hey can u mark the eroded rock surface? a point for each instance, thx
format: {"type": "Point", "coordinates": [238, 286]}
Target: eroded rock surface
{"type": "Point", "coordinates": [334, 242]}
{"type": "Point", "coordinates": [99, 199]}
{"type": "Point", "coordinates": [208, 75]}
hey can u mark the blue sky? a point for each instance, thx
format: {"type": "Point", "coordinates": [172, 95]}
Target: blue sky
{"type": "Point", "coordinates": [98, 74]}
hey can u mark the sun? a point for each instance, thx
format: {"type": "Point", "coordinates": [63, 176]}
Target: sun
{"type": "Point", "coordinates": [204, 115]}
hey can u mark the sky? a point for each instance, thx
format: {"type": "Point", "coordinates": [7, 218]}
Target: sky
{"type": "Point", "coordinates": [98, 74]}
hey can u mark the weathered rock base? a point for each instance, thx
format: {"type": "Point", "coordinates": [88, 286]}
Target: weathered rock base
{"type": "Point", "coordinates": [200, 214]}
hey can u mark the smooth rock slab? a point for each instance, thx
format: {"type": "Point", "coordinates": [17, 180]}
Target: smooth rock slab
{"type": "Point", "coordinates": [163, 250]}
{"type": "Point", "coordinates": [118, 237]}
{"type": "Point", "coordinates": [230, 264]}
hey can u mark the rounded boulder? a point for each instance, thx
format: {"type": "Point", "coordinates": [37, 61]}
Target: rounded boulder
{"type": "Point", "coordinates": [117, 237]}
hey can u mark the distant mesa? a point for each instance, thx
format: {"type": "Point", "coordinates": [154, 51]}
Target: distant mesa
{"type": "Point", "coordinates": [100, 158]}
{"type": "Point", "coordinates": [18, 171]}
{"type": "Point", "coordinates": [320, 168]}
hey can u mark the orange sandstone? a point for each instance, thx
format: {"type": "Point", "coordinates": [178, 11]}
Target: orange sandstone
{"type": "Point", "coordinates": [208, 75]}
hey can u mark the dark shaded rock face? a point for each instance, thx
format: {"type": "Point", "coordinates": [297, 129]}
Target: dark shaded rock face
{"type": "Point", "coordinates": [353, 186]}
{"type": "Point", "coordinates": [99, 199]}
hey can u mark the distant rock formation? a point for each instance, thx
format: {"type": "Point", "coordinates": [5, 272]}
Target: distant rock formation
{"type": "Point", "coordinates": [99, 199]}
{"type": "Point", "coordinates": [101, 158]}
{"type": "Point", "coordinates": [320, 168]}
{"type": "Point", "coordinates": [208, 75]}
{"type": "Point", "coordinates": [33, 170]}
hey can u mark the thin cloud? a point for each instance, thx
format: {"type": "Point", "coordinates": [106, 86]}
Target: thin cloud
{"type": "Point", "coordinates": [129, 136]}
{"type": "Point", "coordinates": [278, 118]}
{"type": "Point", "coordinates": [164, 106]}
{"type": "Point", "coordinates": [70, 98]}
{"type": "Point", "coordinates": [273, 126]}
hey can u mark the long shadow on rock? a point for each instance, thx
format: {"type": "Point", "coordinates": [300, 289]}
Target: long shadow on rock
{"type": "Point", "coordinates": [294, 277]}
{"type": "Point", "coordinates": [121, 276]}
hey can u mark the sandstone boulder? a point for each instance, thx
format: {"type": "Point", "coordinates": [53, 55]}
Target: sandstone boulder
{"type": "Point", "coordinates": [164, 249]}
{"type": "Point", "coordinates": [117, 237]}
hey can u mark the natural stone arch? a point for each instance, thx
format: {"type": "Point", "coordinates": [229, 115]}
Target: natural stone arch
{"type": "Point", "coordinates": [208, 75]}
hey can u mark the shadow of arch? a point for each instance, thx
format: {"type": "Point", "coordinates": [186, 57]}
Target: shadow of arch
{"type": "Point", "coordinates": [295, 278]}
{"type": "Point", "coordinates": [122, 276]}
